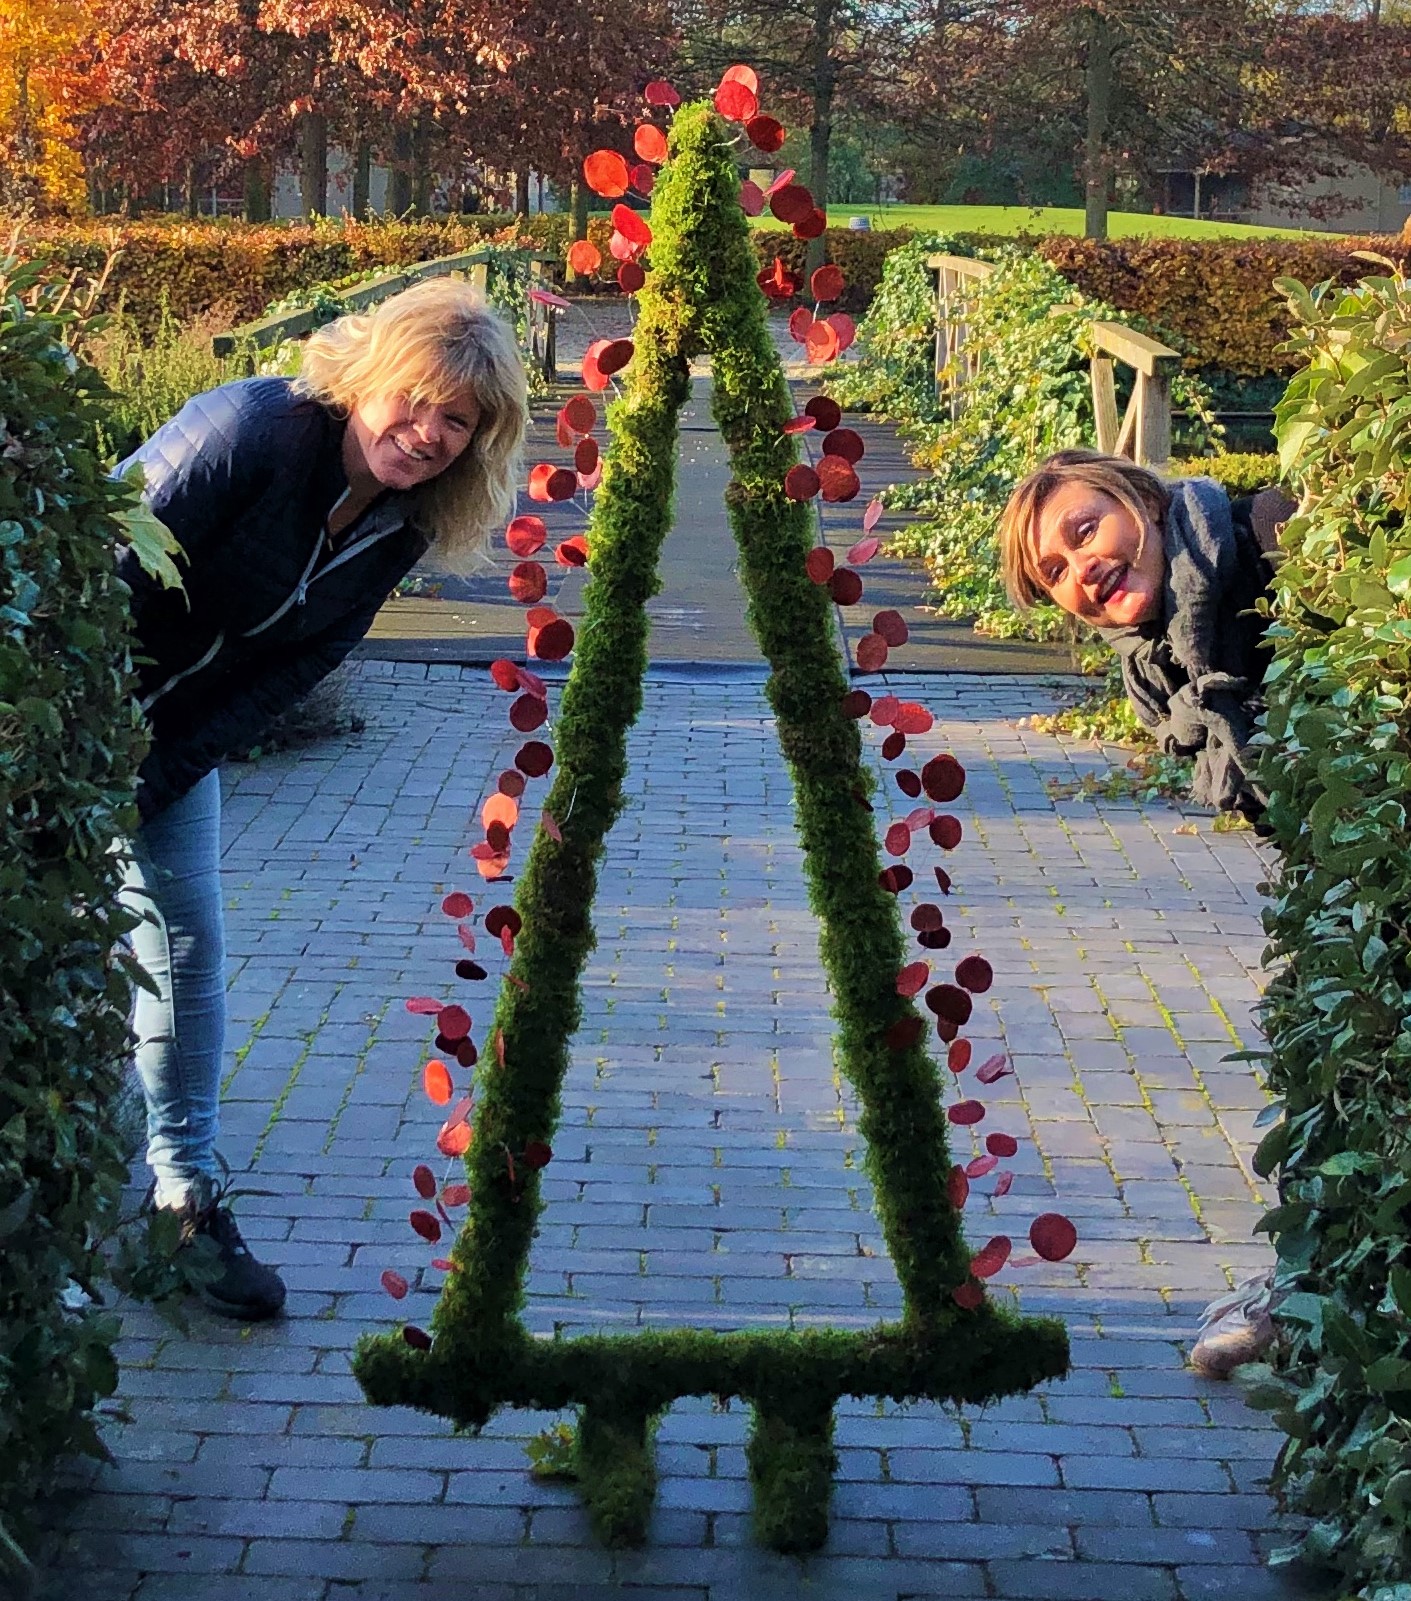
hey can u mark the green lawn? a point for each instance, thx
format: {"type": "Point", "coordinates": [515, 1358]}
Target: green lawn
{"type": "Point", "coordinates": [1007, 221]}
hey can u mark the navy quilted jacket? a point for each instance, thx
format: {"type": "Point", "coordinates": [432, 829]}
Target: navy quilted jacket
{"type": "Point", "coordinates": [245, 476]}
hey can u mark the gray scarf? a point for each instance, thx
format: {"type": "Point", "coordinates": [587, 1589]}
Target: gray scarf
{"type": "Point", "coordinates": [1194, 677]}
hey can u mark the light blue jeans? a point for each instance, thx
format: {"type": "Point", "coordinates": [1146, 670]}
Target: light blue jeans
{"type": "Point", "coordinates": [172, 881]}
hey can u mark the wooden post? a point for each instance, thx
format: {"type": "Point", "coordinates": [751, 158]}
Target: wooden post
{"type": "Point", "coordinates": [1153, 428]}
{"type": "Point", "coordinates": [1105, 404]}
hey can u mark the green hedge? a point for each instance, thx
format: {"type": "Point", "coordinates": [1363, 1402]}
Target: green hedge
{"type": "Point", "coordinates": [1337, 1016]}
{"type": "Point", "coordinates": [70, 741]}
{"type": "Point", "coordinates": [701, 296]}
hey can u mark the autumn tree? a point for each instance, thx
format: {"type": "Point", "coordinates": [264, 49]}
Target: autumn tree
{"type": "Point", "coordinates": [41, 99]}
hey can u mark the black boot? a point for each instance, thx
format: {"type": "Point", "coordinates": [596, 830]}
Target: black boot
{"type": "Point", "coordinates": [244, 1288]}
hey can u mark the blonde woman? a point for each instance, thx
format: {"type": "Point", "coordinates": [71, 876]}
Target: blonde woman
{"type": "Point", "coordinates": [1169, 573]}
{"type": "Point", "coordinates": [298, 504]}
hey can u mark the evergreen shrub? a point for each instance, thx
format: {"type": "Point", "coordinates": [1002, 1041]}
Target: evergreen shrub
{"type": "Point", "coordinates": [1337, 1013]}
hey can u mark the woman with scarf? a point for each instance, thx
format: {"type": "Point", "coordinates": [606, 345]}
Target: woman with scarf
{"type": "Point", "coordinates": [298, 505]}
{"type": "Point", "coordinates": [1170, 574]}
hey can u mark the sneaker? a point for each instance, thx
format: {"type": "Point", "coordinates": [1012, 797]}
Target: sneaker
{"type": "Point", "coordinates": [243, 1288]}
{"type": "Point", "coordinates": [1235, 1329]}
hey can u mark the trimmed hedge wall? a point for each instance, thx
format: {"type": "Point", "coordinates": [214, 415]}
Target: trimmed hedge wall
{"type": "Point", "coordinates": [1216, 296]}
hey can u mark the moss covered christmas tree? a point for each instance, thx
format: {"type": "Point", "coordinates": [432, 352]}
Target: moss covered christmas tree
{"type": "Point", "coordinates": [701, 296]}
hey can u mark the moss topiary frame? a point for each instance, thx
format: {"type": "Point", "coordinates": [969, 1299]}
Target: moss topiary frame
{"type": "Point", "coordinates": [701, 296]}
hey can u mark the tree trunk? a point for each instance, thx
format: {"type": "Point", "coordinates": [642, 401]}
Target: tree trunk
{"type": "Point", "coordinates": [521, 193]}
{"type": "Point", "coordinates": [399, 188]}
{"type": "Point", "coordinates": [313, 164]}
{"type": "Point", "coordinates": [27, 150]}
{"type": "Point", "coordinates": [257, 195]}
{"type": "Point", "coordinates": [1097, 174]}
{"type": "Point", "coordinates": [823, 71]}
{"type": "Point", "coordinates": [362, 178]}
{"type": "Point", "coordinates": [192, 195]}
{"type": "Point", "coordinates": [421, 169]}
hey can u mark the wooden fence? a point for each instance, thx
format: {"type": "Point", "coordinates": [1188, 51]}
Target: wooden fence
{"type": "Point", "coordinates": [542, 321]}
{"type": "Point", "coordinates": [1143, 433]}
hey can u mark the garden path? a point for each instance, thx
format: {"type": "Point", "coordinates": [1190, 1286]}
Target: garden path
{"type": "Point", "coordinates": [708, 1170]}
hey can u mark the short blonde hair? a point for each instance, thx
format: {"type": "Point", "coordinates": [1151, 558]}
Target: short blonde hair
{"type": "Point", "coordinates": [431, 343]}
{"type": "Point", "coordinates": [1137, 488]}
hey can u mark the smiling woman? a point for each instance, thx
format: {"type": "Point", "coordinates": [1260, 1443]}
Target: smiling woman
{"type": "Point", "coordinates": [298, 506]}
{"type": "Point", "coordinates": [1171, 575]}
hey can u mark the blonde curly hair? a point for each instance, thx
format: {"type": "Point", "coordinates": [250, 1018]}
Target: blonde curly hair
{"type": "Point", "coordinates": [432, 343]}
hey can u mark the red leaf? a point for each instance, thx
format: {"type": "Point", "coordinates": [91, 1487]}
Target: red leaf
{"type": "Point", "coordinates": [965, 1113]}
{"type": "Point", "coordinates": [594, 377]}
{"type": "Point", "coordinates": [780, 179]}
{"type": "Point", "coordinates": [457, 904]}
{"type": "Point", "coordinates": [957, 1187]}
{"type": "Point", "coordinates": [980, 1165]}
{"type": "Point", "coordinates": [946, 832]}
{"type": "Point", "coordinates": [547, 482]}
{"type": "Point", "coordinates": [454, 1138]}
{"type": "Point", "coordinates": [395, 1285]}
{"type": "Point", "coordinates": [531, 683]}
{"type": "Point", "coordinates": [871, 653]}
{"type": "Point", "coordinates": [554, 641]}
{"type": "Point", "coordinates": [898, 840]}
{"type": "Point", "coordinates": [436, 1081]}
{"type": "Point", "coordinates": [443, 1264]}
{"type": "Point", "coordinates": [736, 102]}
{"type": "Point", "coordinates": [958, 1056]}
{"type": "Point", "coordinates": [418, 1339]}
{"type": "Point", "coordinates": [927, 916]}
{"type": "Point", "coordinates": [809, 227]}
{"type": "Point", "coordinates": [751, 198]}
{"type": "Point", "coordinates": [825, 411]}
{"type": "Point", "coordinates": [844, 327]}
{"type": "Point", "coordinates": [801, 483]}
{"type": "Point", "coordinates": [1002, 1185]}
{"type": "Point", "coordinates": [527, 713]}
{"type": "Point", "coordinates": [873, 515]}
{"type": "Point", "coordinates": [911, 980]}
{"type": "Point", "coordinates": [550, 826]}
{"type": "Point", "coordinates": [534, 759]}
{"type": "Point", "coordinates": [573, 551]}
{"type": "Point", "coordinates": [605, 172]}
{"type": "Point", "coordinates": [827, 282]}
{"type": "Point", "coordinates": [740, 73]}
{"type": "Point", "coordinates": [791, 202]}
{"type": "Point", "coordinates": [453, 1022]}
{"type": "Point", "coordinates": [909, 783]}
{"type": "Point", "coordinates": [510, 783]}
{"type": "Point", "coordinates": [821, 346]}
{"type": "Point", "coordinates": [994, 1068]}
{"type": "Point", "coordinates": [660, 93]}
{"type": "Point", "coordinates": [424, 1006]}
{"type": "Point", "coordinates": [536, 1155]}
{"type": "Point", "coordinates": [845, 442]}
{"type": "Point", "coordinates": [499, 808]}
{"type": "Point", "coordinates": [975, 974]}
{"type": "Point", "coordinates": [634, 228]}
{"type": "Point", "coordinates": [765, 133]}
{"type": "Point", "coordinates": [863, 551]}
{"type": "Point", "coordinates": [466, 1053]}
{"type": "Point", "coordinates": [630, 277]}
{"type": "Point", "coordinates": [427, 1225]}
{"type": "Point", "coordinates": [528, 583]}
{"type": "Point", "coordinates": [903, 1033]}
{"type": "Point", "coordinates": [913, 718]}
{"type": "Point", "coordinates": [500, 918]}
{"type": "Point", "coordinates": [615, 355]}
{"type": "Point", "coordinates": [489, 864]}
{"type": "Point", "coordinates": [844, 586]}
{"type": "Point", "coordinates": [424, 1181]}
{"type": "Point", "coordinates": [943, 778]}
{"type": "Point", "coordinates": [838, 479]}
{"type": "Point", "coordinates": [895, 879]}
{"type": "Point", "coordinates": [969, 1295]}
{"type": "Point", "coordinates": [918, 818]}
{"type": "Point", "coordinates": [466, 935]}
{"type": "Point", "coordinates": [818, 564]}
{"type": "Point", "coordinates": [505, 674]}
{"type": "Point", "coordinates": [1001, 1144]}
{"type": "Point", "coordinates": [650, 143]}
{"type": "Point", "coordinates": [856, 703]}
{"type": "Point", "coordinates": [525, 535]}
{"type": "Point", "coordinates": [885, 709]}
{"type": "Point", "coordinates": [891, 625]}
{"type": "Point", "coordinates": [585, 455]}
{"type": "Point", "coordinates": [456, 1195]}
{"type": "Point", "coordinates": [584, 258]}
{"type": "Point", "coordinates": [580, 414]}
{"type": "Point", "coordinates": [800, 321]}
{"type": "Point", "coordinates": [992, 1257]}
{"type": "Point", "coordinates": [893, 745]}
{"type": "Point", "coordinates": [1053, 1236]}
{"type": "Point", "coordinates": [955, 1005]}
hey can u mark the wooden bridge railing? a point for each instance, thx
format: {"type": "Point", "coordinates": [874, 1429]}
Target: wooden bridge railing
{"type": "Point", "coordinates": [475, 265]}
{"type": "Point", "coordinates": [1143, 433]}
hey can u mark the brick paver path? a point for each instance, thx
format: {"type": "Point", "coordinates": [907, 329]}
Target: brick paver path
{"type": "Point", "coordinates": [708, 1171]}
